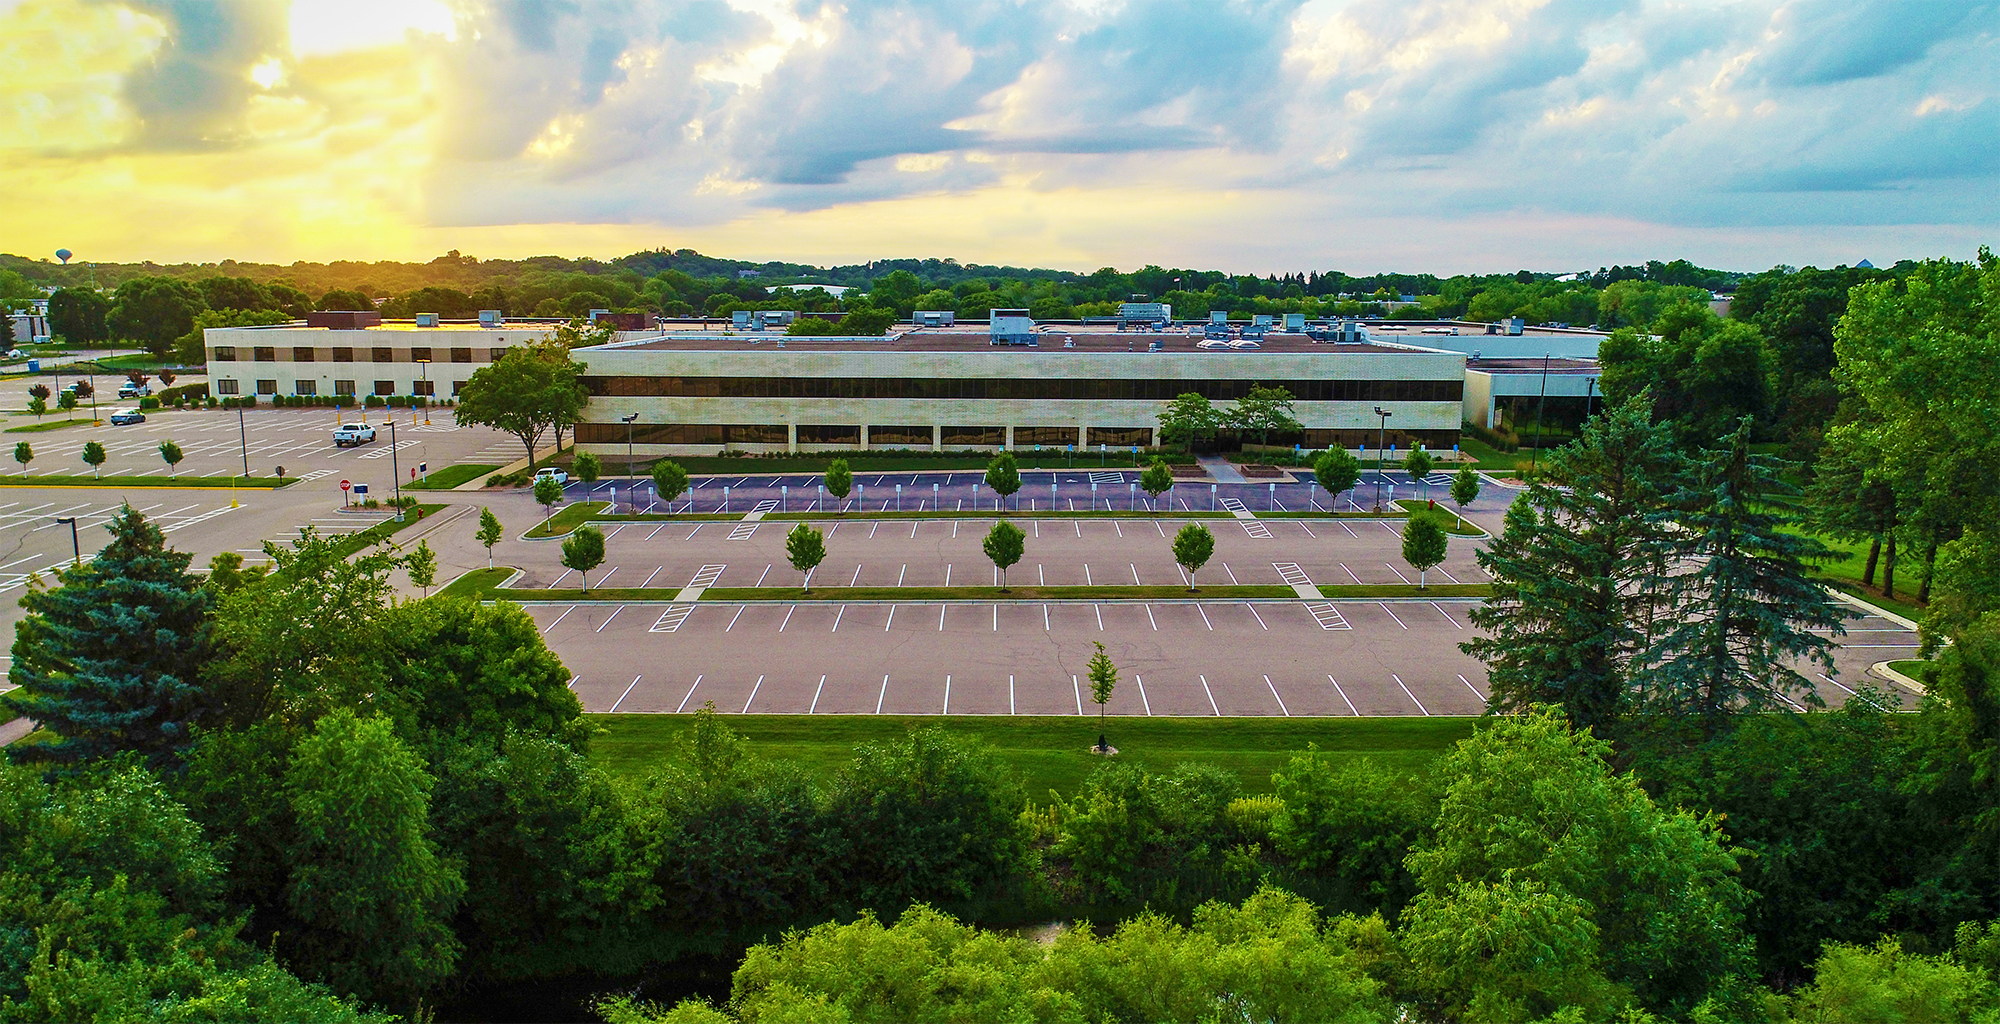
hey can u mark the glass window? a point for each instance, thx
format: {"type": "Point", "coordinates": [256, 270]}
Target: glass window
{"type": "Point", "coordinates": [1042, 389]}
{"type": "Point", "coordinates": [1120, 437]}
{"type": "Point", "coordinates": [305, 387]}
{"type": "Point", "coordinates": [343, 355]}
{"type": "Point", "coordinates": [264, 354]}
{"type": "Point", "coordinates": [821, 434]}
{"type": "Point", "coordinates": [496, 353]}
{"type": "Point", "coordinates": [900, 436]}
{"type": "Point", "coordinates": [223, 353]}
{"type": "Point", "coordinates": [267, 387]}
{"type": "Point", "coordinates": [420, 355]}
{"type": "Point", "coordinates": [423, 387]}
{"type": "Point", "coordinates": [959, 437]}
{"type": "Point", "coordinates": [456, 386]}
{"type": "Point", "coordinates": [225, 386]}
{"type": "Point", "coordinates": [302, 353]}
{"type": "Point", "coordinates": [1058, 436]}
{"type": "Point", "coordinates": [385, 387]}
{"type": "Point", "coordinates": [461, 355]}
{"type": "Point", "coordinates": [385, 355]}
{"type": "Point", "coordinates": [343, 387]}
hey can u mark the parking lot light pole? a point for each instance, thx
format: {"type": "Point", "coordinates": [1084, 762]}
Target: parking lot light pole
{"type": "Point", "coordinates": [631, 481]}
{"type": "Point", "coordinates": [243, 439]}
{"type": "Point", "coordinates": [1381, 437]}
{"type": "Point", "coordinates": [75, 545]}
{"type": "Point", "coordinates": [395, 471]}
{"type": "Point", "coordinates": [424, 367]}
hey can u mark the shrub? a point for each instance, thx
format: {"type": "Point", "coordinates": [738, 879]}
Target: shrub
{"type": "Point", "coordinates": [149, 403]}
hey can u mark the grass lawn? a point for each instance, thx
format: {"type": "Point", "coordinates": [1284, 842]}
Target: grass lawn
{"type": "Point", "coordinates": [1050, 752]}
{"type": "Point", "coordinates": [1916, 668]}
{"type": "Point", "coordinates": [1844, 573]}
{"type": "Point", "coordinates": [1454, 523]}
{"type": "Point", "coordinates": [569, 518]}
{"type": "Point", "coordinates": [361, 539]}
{"type": "Point", "coordinates": [85, 480]}
{"type": "Point", "coordinates": [39, 426]}
{"type": "Point", "coordinates": [449, 477]}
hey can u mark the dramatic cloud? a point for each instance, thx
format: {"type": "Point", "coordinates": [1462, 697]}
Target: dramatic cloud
{"type": "Point", "coordinates": [1284, 134]}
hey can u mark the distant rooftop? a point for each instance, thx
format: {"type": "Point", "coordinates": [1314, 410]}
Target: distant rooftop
{"type": "Point", "coordinates": [947, 340]}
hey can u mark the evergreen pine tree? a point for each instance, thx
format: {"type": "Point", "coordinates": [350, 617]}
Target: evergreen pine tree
{"type": "Point", "coordinates": [1575, 570]}
{"type": "Point", "coordinates": [110, 660]}
{"type": "Point", "coordinates": [1744, 610]}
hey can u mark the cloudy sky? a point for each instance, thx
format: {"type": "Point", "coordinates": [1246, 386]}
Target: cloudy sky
{"type": "Point", "coordinates": [1444, 135]}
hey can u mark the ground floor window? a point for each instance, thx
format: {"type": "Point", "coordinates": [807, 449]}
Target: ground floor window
{"type": "Point", "coordinates": [343, 387]}
{"type": "Point", "coordinates": [267, 387]}
{"type": "Point", "coordinates": [904, 436]}
{"type": "Point", "coordinates": [225, 387]}
{"type": "Point", "coordinates": [305, 387]}
{"type": "Point", "coordinates": [960, 437]}
{"type": "Point", "coordinates": [1122, 437]}
{"type": "Point", "coordinates": [1403, 440]}
{"type": "Point", "coordinates": [1028, 437]}
{"type": "Point", "coordinates": [828, 434]}
{"type": "Point", "coordinates": [683, 433]}
{"type": "Point", "coordinates": [455, 387]}
{"type": "Point", "coordinates": [423, 387]}
{"type": "Point", "coordinates": [385, 387]}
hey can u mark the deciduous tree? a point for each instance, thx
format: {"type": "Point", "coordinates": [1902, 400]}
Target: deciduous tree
{"type": "Point", "coordinates": [489, 533]}
{"type": "Point", "coordinates": [670, 481]}
{"type": "Point", "coordinates": [839, 479]}
{"type": "Point", "coordinates": [1423, 545]}
{"type": "Point", "coordinates": [805, 547]}
{"type": "Point", "coordinates": [1157, 479]}
{"type": "Point", "coordinates": [1003, 475]}
{"type": "Point", "coordinates": [1193, 545]}
{"type": "Point", "coordinates": [171, 454]}
{"type": "Point", "coordinates": [94, 456]}
{"type": "Point", "coordinates": [422, 565]}
{"type": "Point", "coordinates": [1103, 679]}
{"type": "Point", "coordinates": [1465, 486]}
{"type": "Point", "coordinates": [584, 551]}
{"type": "Point", "coordinates": [529, 391]}
{"type": "Point", "coordinates": [1004, 544]}
{"type": "Point", "coordinates": [1336, 469]}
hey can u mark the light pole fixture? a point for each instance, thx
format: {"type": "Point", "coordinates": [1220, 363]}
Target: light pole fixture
{"type": "Point", "coordinates": [75, 545]}
{"type": "Point", "coordinates": [1381, 437]}
{"type": "Point", "coordinates": [395, 471]}
{"type": "Point", "coordinates": [243, 439]}
{"type": "Point", "coordinates": [1541, 409]}
{"type": "Point", "coordinates": [424, 368]}
{"type": "Point", "coordinates": [631, 481]}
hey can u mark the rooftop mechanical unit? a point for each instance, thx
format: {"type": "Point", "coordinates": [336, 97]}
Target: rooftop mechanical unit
{"type": "Point", "coordinates": [1011, 327]}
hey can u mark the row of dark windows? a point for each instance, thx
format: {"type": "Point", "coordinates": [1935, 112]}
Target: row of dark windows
{"type": "Point", "coordinates": [309, 354]}
{"type": "Point", "coordinates": [1041, 388]}
{"type": "Point", "coordinates": [964, 437]}
{"type": "Point", "coordinates": [228, 386]}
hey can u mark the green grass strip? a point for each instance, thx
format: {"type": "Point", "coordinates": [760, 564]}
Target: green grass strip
{"type": "Point", "coordinates": [384, 530]}
{"type": "Point", "coordinates": [569, 518]}
{"type": "Point", "coordinates": [449, 477]}
{"type": "Point", "coordinates": [1237, 593]}
{"type": "Point", "coordinates": [36, 428]}
{"type": "Point", "coordinates": [1050, 752]}
{"type": "Point", "coordinates": [485, 585]}
{"type": "Point", "coordinates": [57, 480]}
{"type": "Point", "coordinates": [1453, 522]}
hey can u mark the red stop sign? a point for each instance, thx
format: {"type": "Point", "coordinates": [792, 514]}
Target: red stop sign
{"type": "Point", "coordinates": [344, 485]}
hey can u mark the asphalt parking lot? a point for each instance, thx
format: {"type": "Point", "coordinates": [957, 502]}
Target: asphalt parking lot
{"type": "Point", "coordinates": [1189, 658]}
{"type": "Point", "coordinates": [300, 440]}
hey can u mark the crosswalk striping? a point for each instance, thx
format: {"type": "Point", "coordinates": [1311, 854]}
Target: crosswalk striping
{"type": "Point", "coordinates": [1292, 574]}
{"type": "Point", "coordinates": [671, 619]}
{"type": "Point", "coordinates": [1328, 616]}
{"type": "Point", "coordinates": [707, 575]}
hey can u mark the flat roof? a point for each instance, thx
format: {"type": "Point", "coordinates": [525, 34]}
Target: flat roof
{"type": "Point", "coordinates": [407, 325]}
{"type": "Point", "coordinates": [981, 341]}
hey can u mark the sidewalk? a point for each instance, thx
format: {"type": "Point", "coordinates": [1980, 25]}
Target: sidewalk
{"type": "Point", "coordinates": [1221, 470]}
{"type": "Point", "coordinates": [515, 466]}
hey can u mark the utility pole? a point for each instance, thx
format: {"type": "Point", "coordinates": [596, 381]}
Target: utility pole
{"type": "Point", "coordinates": [1535, 452]}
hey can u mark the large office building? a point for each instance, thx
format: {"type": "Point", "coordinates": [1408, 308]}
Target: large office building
{"type": "Point", "coordinates": [956, 389]}
{"type": "Point", "coordinates": [1011, 383]}
{"type": "Point", "coordinates": [348, 353]}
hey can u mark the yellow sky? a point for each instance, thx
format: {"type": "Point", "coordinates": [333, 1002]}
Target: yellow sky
{"type": "Point", "coordinates": [398, 129]}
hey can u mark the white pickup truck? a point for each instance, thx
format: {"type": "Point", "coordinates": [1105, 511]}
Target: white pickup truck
{"type": "Point", "coordinates": [352, 433]}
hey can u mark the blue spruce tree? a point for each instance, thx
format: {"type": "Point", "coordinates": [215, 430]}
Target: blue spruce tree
{"type": "Point", "coordinates": [110, 659]}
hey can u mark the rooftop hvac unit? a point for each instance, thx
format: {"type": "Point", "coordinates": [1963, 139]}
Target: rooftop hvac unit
{"type": "Point", "coordinates": [1295, 321]}
{"type": "Point", "coordinates": [1218, 316]}
{"type": "Point", "coordinates": [427, 319]}
{"type": "Point", "coordinates": [1244, 345]}
{"type": "Point", "coordinates": [490, 318]}
{"type": "Point", "coordinates": [1212, 345]}
{"type": "Point", "coordinates": [740, 317]}
{"type": "Point", "coordinates": [1260, 320]}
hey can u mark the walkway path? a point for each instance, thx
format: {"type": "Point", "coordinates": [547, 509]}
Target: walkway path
{"type": "Point", "coordinates": [1221, 469]}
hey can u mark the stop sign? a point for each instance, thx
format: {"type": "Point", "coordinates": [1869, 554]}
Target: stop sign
{"type": "Point", "coordinates": [344, 485]}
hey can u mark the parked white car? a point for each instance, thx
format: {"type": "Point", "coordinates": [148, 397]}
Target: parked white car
{"type": "Point", "coordinates": [552, 473]}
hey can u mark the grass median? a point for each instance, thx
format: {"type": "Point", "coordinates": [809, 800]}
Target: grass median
{"type": "Point", "coordinates": [384, 530]}
{"type": "Point", "coordinates": [36, 428]}
{"type": "Point", "coordinates": [485, 585]}
{"type": "Point", "coordinates": [569, 518]}
{"type": "Point", "coordinates": [449, 477]}
{"type": "Point", "coordinates": [1049, 751]}
{"type": "Point", "coordinates": [82, 480]}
